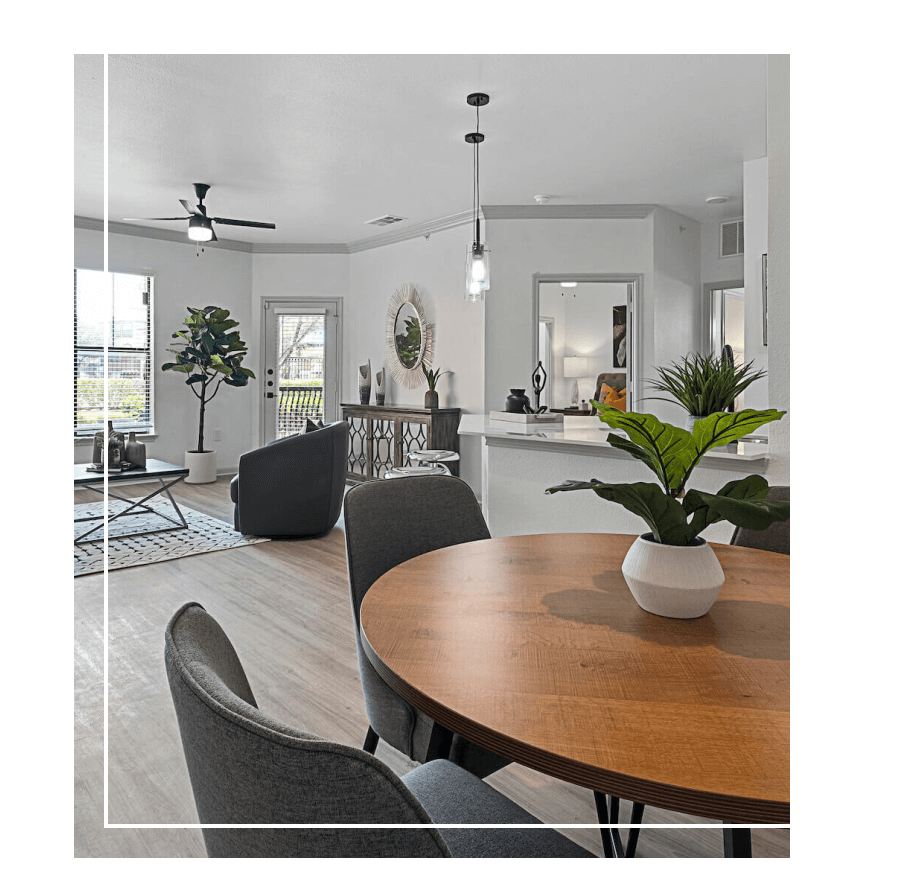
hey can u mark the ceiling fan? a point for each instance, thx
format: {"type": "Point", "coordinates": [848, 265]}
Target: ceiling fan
{"type": "Point", "coordinates": [200, 225]}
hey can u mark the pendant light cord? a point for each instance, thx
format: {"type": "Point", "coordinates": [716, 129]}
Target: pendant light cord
{"type": "Point", "coordinates": [476, 189]}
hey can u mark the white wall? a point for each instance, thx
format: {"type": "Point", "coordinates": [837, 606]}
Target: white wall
{"type": "Point", "coordinates": [181, 279]}
{"type": "Point", "coordinates": [674, 302]}
{"type": "Point", "coordinates": [366, 281]}
{"type": "Point", "coordinates": [521, 248]}
{"type": "Point", "coordinates": [778, 128]}
{"type": "Point", "coordinates": [756, 238]}
{"type": "Point", "coordinates": [714, 268]}
{"type": "Point", "coordinates": [436, 267]}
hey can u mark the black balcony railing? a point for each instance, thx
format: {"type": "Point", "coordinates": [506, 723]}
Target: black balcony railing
{"type": "Point", "coordinates": [296, 405]}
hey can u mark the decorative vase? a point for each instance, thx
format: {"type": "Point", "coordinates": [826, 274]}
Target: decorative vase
{"type": "Point", "coordinates": [575, 395]}
{"type": "Point", "coordinates": [379, 387]}
{"type": "Point", "coordinates": [516, 401]}
{"type": "Point", "coordinates": [431, 399]}
{"type": "Point", "coordinates": [202, 466]}
{"type": "Point", "coordinates": [691, 420]}
{"type": "Point", "coordinates": [681, 582]}
{"type": "Point", "coordinates": [135, 452]}
{"type": "Point", "coordinates": [97, 458]}
{"type": "Point", "coordinates": [115, 446]}
{"type": "Point", "coordinates": [365, 382]}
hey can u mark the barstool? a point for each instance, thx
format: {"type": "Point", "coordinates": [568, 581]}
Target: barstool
{"type": "Point", "coordinates": [432, 462]}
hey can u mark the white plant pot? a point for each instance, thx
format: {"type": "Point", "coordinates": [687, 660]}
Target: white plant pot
{"type": "Point", "coordinates": [673, 581]}
{"type": "Point", "coordinates": [202, 466]}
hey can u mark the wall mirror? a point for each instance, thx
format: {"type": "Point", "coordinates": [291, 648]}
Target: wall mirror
{"type": "Point", "coordinates": [408, 337]}
{"type": "Point", "coordinates": [586, 336]}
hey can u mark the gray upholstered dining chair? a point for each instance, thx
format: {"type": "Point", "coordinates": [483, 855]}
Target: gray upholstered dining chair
{"type": "Point", "coordinates": [246, 768]}
{"type": "Point", "coordinates": [775, 538]}
{"type": "Point", "coordinates": [387, 522]}
{"type": "Point", "coordinates": [292, 487]}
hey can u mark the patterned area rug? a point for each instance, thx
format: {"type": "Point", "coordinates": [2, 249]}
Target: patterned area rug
{"type": "Point", "coordinates": [204, 534]}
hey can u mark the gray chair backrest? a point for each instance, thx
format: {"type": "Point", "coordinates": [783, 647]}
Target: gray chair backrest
{"type": "Point", "coordinates": [389, 521]}
{"type": "Point", "coordinates": [775, 538]}
{"type": "Point", "coordinates": [247, 768]}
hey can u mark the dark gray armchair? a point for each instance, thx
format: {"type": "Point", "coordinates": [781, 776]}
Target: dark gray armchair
{"type": "Point", "coordinates": [294, 486]}
{"type": "Point", "coordinates": [246, 768]}
{"type": "Point", "coordinates": [387, 522]}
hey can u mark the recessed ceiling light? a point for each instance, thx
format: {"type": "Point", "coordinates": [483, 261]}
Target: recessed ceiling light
{"type": "Point", "coordinates": [568, 285]}
{"type": "Point", "coordinates": [714, 200]}
{"type": "Point", "coordinates": [541, 199]}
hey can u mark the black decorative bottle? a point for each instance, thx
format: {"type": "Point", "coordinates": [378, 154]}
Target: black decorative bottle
{"type": "Point", "coordinates": [516, 401]}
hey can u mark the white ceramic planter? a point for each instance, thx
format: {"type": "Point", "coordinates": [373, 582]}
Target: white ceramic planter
{"type": "Point", "coordinates": [202, 466]}
{"type": "Point", "coordinates": [673, 581]}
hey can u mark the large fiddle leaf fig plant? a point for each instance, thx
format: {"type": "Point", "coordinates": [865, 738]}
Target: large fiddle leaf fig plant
{"type": "Point", "coordinates": [675, 515]}
{"type": "Point", "coordinates": [212, 354]}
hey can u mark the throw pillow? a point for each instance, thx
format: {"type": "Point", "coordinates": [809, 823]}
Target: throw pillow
{"type": "Point", "coordinates": [616, 400]}
{"type": "Point", "coordinates": [311, 426]}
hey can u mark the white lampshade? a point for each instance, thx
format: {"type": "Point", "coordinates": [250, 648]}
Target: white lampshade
{"type": "Point", "coordinates": [200, 229]}
{"type": "Point", "coordinates": [581, 366]}
{"type": "Point", "coordinates": [478, 272]}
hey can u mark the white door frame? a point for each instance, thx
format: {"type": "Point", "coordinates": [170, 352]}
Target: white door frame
{"type": "Point", "coordinates": [334, 310]}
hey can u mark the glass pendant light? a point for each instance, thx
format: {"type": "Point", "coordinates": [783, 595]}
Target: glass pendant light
{"type": "Point", "coordinates": [478, 271]}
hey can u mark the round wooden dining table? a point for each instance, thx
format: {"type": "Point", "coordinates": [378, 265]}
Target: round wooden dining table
{"type": "Point", "coordinates": [533, 647]}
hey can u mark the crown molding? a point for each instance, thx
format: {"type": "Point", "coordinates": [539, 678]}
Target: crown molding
{"type": "Point", "coordinates": [532, 213]}
{"type": "Point", "coordinates": [299, 248]}
{"type": "Point", "coordinates": [426, 228]}
{"type": "Point", "coordinates": [389, 237]}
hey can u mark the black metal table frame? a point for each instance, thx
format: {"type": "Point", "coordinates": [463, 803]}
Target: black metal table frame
{"type": "Point", "coordinates": [139, 505]}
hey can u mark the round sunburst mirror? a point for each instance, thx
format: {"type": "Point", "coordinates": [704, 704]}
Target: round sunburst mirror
{"type": "Point", "coordinates": [407, 337]}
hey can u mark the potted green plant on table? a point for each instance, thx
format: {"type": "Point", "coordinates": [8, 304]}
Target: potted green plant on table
{"type": "Point", "coordinates": [431, 395]}
{"type": "Point", "coordinates": [704, 385]}
{"type": "Point", "coordinates": [212, 354]}
{"type": "Point", "coordinates": [672, 571]}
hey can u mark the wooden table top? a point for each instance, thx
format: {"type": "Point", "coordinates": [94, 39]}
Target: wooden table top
{"type": "Point", "coordinates": [534, 647]}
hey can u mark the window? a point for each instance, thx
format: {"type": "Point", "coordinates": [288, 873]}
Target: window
{"type": "Point", "coordinates": [114, 309]}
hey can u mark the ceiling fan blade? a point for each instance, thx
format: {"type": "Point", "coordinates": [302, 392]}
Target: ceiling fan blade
{"type": "Point", "coordinates": [214, 237]}
{"type": "Point", "coordinates": [194, 210]}
{"type": "Point", "coordinates": [179, 218]}
{"type": "Point", "coordinates": [236, 223]}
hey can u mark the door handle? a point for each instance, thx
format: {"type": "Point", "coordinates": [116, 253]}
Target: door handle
{"type": "Point", "coordinates": [270, 395]}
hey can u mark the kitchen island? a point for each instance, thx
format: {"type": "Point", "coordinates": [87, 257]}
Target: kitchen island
{"type": "Point", "coordinates": [519, 462]}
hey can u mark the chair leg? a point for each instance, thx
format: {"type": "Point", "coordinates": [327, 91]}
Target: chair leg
{"type": "Point", "coordinates": [371, 741]}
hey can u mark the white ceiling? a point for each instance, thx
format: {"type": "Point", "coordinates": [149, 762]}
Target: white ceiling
{"type": "Point", "coordinates": [321, 144]}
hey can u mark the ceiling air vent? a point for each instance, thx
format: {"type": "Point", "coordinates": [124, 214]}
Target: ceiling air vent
{"type": "Point", "coordinates": [384, 220]}
{"type": "Point", "coordinates": [731, 239]}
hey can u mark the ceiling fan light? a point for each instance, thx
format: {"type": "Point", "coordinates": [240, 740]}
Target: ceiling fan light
{"type": "Point", "coordinates": [200, 229]}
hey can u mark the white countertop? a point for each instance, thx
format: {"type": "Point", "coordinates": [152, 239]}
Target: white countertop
{"type": "Point", "coordinates": [586, 433]}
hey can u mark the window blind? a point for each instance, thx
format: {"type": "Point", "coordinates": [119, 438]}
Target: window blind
{"type": "Point", "coordinates": [114, 338]}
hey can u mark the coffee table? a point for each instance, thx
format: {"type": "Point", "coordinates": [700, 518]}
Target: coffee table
{"type": "Point", "coordinates": [533, 647]}
{"type": "Point", "coordinates": [167, 474]}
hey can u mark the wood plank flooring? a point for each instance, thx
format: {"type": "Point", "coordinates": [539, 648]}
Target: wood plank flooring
{"type": "Point", "coordinates": [286, 607]}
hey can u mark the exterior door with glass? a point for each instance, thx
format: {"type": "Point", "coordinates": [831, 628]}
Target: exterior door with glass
{"type": "Point", "coordinates": [301, 365]}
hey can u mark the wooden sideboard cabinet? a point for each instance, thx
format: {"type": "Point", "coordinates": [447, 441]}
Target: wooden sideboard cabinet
{"type": "Point", "coordinates": [382, 435]}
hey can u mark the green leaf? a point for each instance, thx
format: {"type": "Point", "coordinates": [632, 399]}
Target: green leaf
{"type": "Point", "coordinates": [725, 427]}
{"type": "Point", "coordinates": [249, 373]}
{"type": "Point", "coordinates": [219, 365]}
{"type": "Point", "coordinates": [742, 502]}
{"type": "Point", "coordinates": [663, 514]}
{"type": "Point", "coordinates": [196, 378]}
{"type": "Point", "coordinates": [668, 450]}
